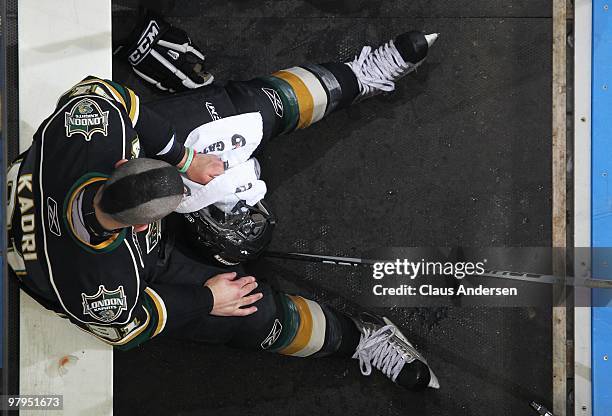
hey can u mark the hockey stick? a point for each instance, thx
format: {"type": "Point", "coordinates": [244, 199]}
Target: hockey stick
{"type": "Point", "coordinates": [496, 274]}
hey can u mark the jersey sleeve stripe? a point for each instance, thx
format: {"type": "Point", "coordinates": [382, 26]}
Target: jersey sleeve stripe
{"type": "Point", "coordinates": [129, 337]}
{"type": "Point", "coordinates": [111, 90]}
{"type": "Point", "coordinates": [131, 102]}
{"type": "Point", "coordinates": [161, 310]}
{"type": "Point", "coordinates": [134, 106]}
{"type": "Point", "coordinates": [115, 92]}
{"type": "Point", "coordinates": [137, 331]}
{"type": "Point", "coordinates": [130, 98]}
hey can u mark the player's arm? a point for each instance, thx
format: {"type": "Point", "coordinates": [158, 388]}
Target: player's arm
{"type": "Point", "coordinates": [166, 308]}
{"type": "Point", "coordinates": [160, 308]}
{"type": "Point", "coordinates": [155, 134]}
{"type": "Point", "coordinates": [159, 140]}
{"type": "Point", "coordinates": [173, 307]}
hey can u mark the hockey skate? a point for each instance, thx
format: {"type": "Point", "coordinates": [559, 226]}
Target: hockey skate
{"type": "Point", "coordinates": [383, 346]}
{"type": "Point", "coordinates": [378, 70]}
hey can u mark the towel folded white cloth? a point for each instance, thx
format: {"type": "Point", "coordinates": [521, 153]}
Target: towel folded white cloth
{"type": "Point", "coordinates": [233, 139]}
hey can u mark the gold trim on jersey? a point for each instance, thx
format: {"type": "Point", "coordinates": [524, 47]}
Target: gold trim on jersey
{"type": "Point", "coordinates": [76, 192]}
{"type": "Point", "coordinates": [134, 102]}
{"type": "Point", "coordinates": [116, 95]}
{"type": "Point", "coordinates": [161, 310]}
{"type": "Point", "coordinates": [129, 337]}
{"type": "Point", "coordinates": [134, 107]}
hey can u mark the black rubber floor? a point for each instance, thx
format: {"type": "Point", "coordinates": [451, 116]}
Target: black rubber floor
{"type": "Point", "coordinates": [458, 155]}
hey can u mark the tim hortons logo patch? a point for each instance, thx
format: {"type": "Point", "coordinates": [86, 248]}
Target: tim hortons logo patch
{"type": "Point", "coordinates": [105, 305]}
{"type": "Point", "coordinates": [86, 118]}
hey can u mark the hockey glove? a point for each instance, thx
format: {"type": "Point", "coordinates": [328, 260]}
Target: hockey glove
{"type": "Point", "coordinates": [164, 56]}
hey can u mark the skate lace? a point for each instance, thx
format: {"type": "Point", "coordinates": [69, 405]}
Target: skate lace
{"type": "Point", "coordinates": [377, 71]}
{"type": "Point", "coordinates": [377, 349]}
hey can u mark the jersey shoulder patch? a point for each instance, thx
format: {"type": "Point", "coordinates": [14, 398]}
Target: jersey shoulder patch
{"type": "Point", "coordinates": [86, 117]}
{"type": "Point", "coordinates": [105, 305]}
{"type": "Point", "coordinates": [106, 298]}
{"type": "Point", "coordinates": [124, 96]}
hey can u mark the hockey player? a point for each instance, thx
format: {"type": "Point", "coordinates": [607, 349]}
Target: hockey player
{"type": "Point", "coordinates": [90, 237]}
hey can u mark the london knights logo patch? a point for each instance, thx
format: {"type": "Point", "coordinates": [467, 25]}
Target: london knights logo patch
{"type": "Point", "coordinates": [86, 118]}
{"type": "Point", "coordinates": [105, 305]}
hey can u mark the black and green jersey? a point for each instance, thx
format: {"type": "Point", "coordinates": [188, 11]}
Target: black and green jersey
{"type": "Point", "coordinates": [105, 287]}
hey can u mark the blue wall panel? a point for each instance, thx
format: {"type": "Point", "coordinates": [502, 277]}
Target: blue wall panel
{"type": "Point", "coordinates": [601, 216]}
{"type": "Point", "coordinates": [3, 149]}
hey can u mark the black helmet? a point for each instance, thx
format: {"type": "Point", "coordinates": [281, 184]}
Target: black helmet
{"type": "Point", "coordinates": [232, 238]}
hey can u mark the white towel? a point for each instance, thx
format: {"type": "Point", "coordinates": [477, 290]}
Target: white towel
{"type": "Point", "coordinates": [233, 139]}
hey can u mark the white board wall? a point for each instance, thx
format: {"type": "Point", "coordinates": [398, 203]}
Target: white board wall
{"type": "Point", "coordinates": [583, 14]}
{"type": "Point", "coordinates": [60, 42]}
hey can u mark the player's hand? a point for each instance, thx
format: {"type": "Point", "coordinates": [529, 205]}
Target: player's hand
{"type": "Point", "coordinates": [231, 295]}
{"type": "Point", "coordinates": [204, 168]}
